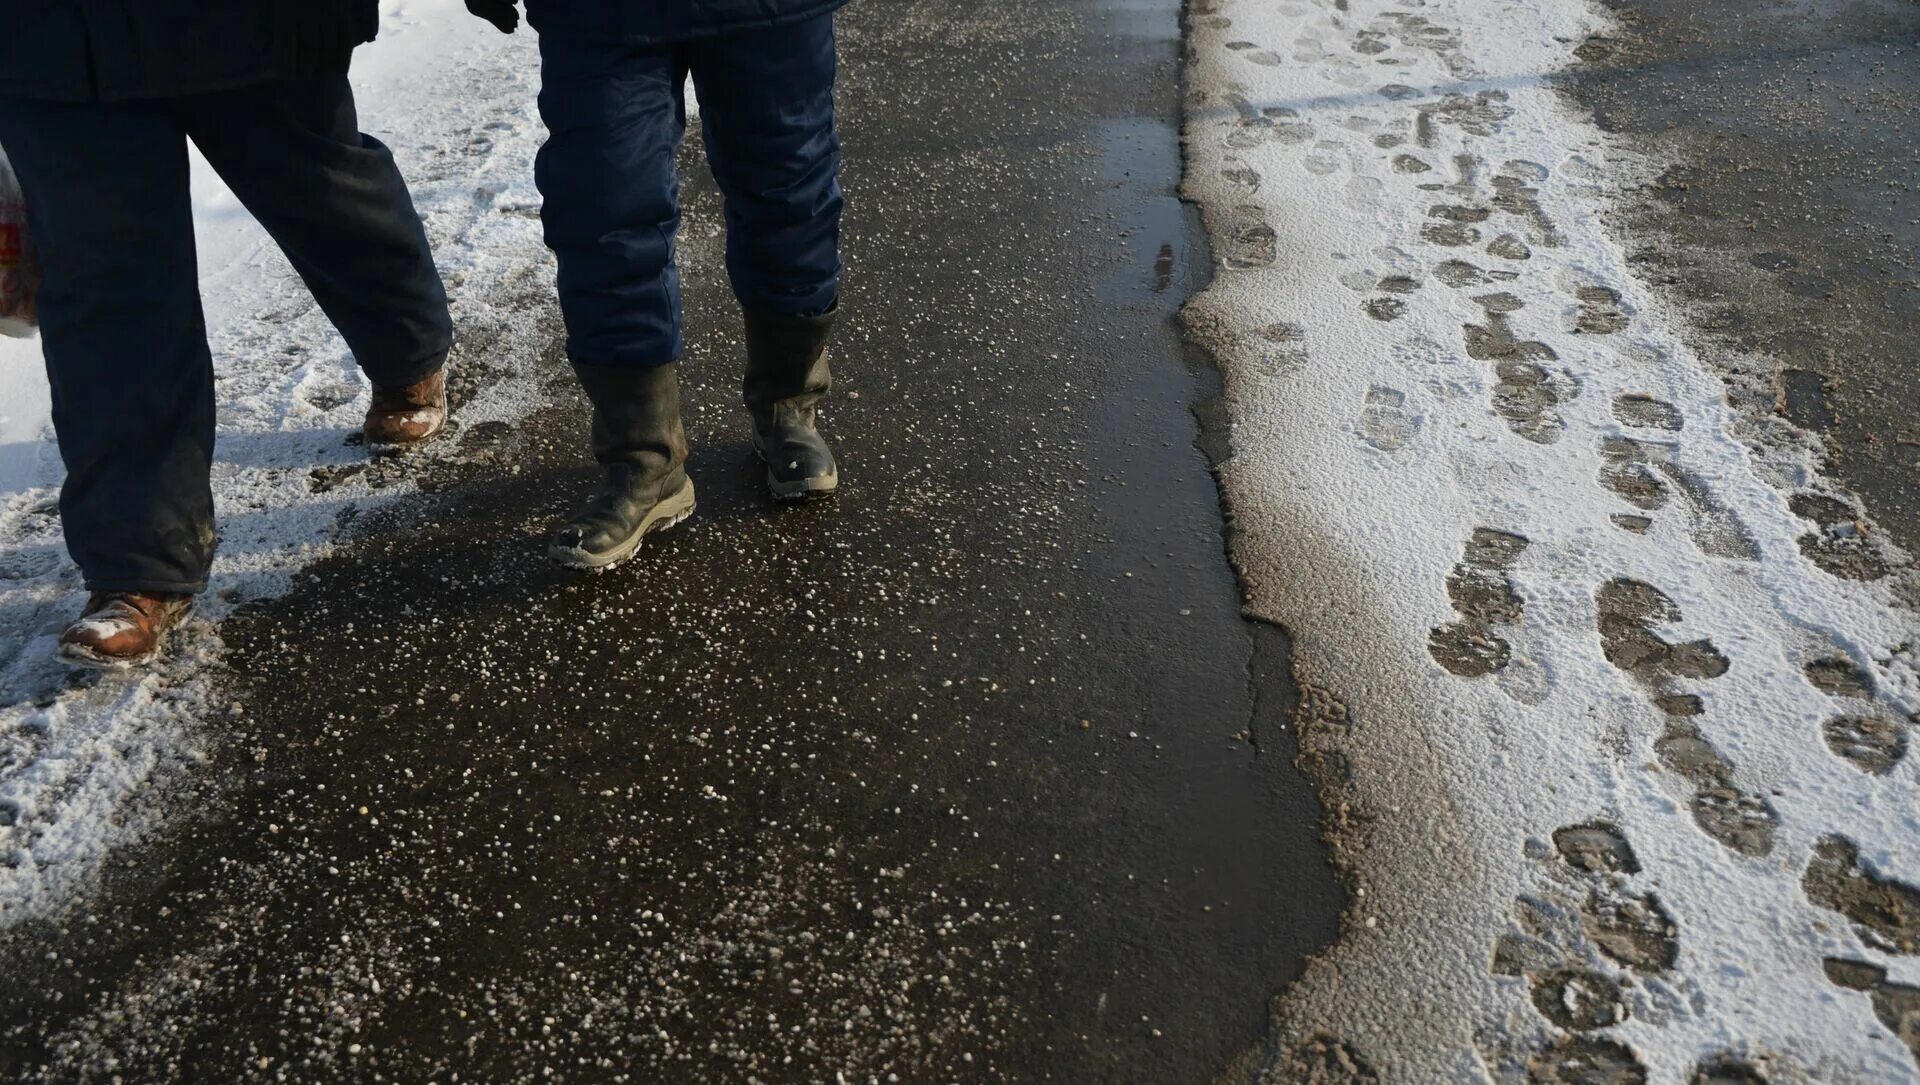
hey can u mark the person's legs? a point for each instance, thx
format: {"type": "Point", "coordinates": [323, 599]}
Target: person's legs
{"type": "Point", "coordinates": [615, 115]}
{"type": "Point", "coordinates": [124, 338]}
{"type": "Point", "coordinates": [766, 109]}
{"type": "Point", "coordinates": [334, 201]}
{"type": "Point", "coordinates": [766, 113]}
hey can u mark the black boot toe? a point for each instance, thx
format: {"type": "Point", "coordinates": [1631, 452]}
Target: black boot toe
{"type": "Point", "coordinates": [625, 510]}
{"type": "Point", "coordinates": [799, 463]}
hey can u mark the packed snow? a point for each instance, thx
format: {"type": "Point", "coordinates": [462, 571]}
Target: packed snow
{"type": "Point", "coordinates": [1607, 690]}
{"type": "Point", "coordinates": [455, 101]}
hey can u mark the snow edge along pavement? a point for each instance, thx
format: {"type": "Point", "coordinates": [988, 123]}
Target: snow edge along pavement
{"type": "Point", "coordinates": [89, 765]}
{"type": "Point", "coordinates": [1615, 767]}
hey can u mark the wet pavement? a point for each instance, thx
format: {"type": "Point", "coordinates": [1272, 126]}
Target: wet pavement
{"type": "Point", "coordinates": [972, 773]}
{"type": "Point", "coordinates": [1789, 217]}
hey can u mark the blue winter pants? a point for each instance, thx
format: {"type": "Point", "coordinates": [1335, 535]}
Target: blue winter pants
{"type": "Point", "coordinates": [616, 113]}
{"type": "Point", "coordinates": [125, 341]}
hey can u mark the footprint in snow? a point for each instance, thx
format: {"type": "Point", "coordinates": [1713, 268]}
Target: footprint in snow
{"type": "Point", "coordinates": [1870, 737]}
{"type": "Point", "coordinates": [1526, 394]}
{"type": "Point", "coordinates": [1515, 193]}
{"type": "Point", "coordinates": [1476, 114]}
{"type": "Point", "coordinates": [1567, 944]}
{"type": "Point", "coordinates": [1896, 1005]}
{"type": "Point", "coordinates": [1629, 610]}
{"type": "Point", "coordinates": [1885, 913]}
{"type": "Point", "coordinates": [1251, 240]}
{"type": "Point", "coordinates": [1253, 54]}
{"type": "Point", "coordinates": [1453, 225]}
{"type": "Point", "coordinates": [1484, 597]}
{"type": "Point", "coordinates": [1599, 312]}
{"type": "Point", "coordinates": [1385, 422]}
{"type": "Point", "coordinates": [1646, 475]}
{"type": "Point", "coordinates": [1391, 303]}
{"type": "Point", "coordinates": [1509, 247]}
{"type": "Point", "coordinates": [1646, 412]}
{"type": "Point", "coordinates": [1459, 274]}
{"type": "Point", "coordinates": [1841, 547]}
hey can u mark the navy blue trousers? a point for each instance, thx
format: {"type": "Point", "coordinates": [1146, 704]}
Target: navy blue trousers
{"type": "Point", "coordinates": [616, 113]}
{"type": "Point", "coordinates": [124, 337]}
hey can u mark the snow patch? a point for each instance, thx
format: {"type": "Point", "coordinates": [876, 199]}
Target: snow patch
{"type": "Point", "coordinates": [1610, 707]}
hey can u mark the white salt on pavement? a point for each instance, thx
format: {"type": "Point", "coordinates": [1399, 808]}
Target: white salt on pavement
{"type": "Point", "coordinates": [455, 101]}
{"type": "Point", "coordinates": [1595, 721]}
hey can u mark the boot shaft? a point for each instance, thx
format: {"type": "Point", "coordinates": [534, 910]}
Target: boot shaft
{"type": "Point", "coordinates": [636, 417]}
{"type": "Point", "coordinates": [787, 367]}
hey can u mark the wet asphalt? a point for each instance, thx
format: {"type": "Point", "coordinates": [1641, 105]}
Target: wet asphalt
{"type": "Point", "coordinates": [971, 773]}
{"type": "Point", "coordinates": [1789, 216]}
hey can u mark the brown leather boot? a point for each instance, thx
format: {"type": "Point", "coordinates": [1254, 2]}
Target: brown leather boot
{"type": "Point", "coordinates": [403, 419]}
{"type": "Point", "coordinates": [122, 629]}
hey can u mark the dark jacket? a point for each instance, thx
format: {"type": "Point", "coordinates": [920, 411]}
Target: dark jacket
{"type": "Point", "coordinates": [651, 22]}
{"type": "Point", "coordinates": [115, 50]}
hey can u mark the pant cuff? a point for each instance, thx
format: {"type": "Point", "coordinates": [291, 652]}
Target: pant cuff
{"type": "Point", "coordinates": [401, 375]}
{"type": "Point", "coordinates": [637, 360]}
{"type": "Point", "coordinates": [809, 306]}
{"type": "Point", "coordinates": [148, 587]}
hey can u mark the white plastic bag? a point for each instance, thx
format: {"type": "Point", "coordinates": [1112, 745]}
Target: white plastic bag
{"type": "Point", "coordinates": [19, 275]}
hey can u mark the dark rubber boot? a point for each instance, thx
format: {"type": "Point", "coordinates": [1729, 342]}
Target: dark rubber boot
{"type": "Point", "coordinates": [787, 377]}
{"type": "Point", "coordinates": [642, 445]}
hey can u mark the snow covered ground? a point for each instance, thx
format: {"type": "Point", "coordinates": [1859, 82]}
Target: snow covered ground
{"type": "Point", "coordinates": [455, 101]}
{"type": "Point", "coordinates": [1608, 691]}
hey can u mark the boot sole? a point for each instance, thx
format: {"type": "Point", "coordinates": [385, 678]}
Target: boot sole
{"type": "Point", "coordinates": [670, 511]}
{"type": "Point", "coordinates": [75, 656]}
{"type": "Point", "coordinates": [805, 488]}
